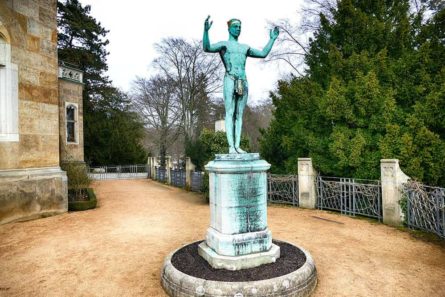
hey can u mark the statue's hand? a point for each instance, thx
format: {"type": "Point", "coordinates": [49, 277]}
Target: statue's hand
{"type": "Point", "coordinates": [274, 33]}
{"type": "Point", "coordinates": [207, 24]}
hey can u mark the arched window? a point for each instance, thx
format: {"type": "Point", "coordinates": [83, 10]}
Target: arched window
{"type": "Point", "coordinates": [71, 123]}
{"type": "Point", "coordinates": [8, 93]}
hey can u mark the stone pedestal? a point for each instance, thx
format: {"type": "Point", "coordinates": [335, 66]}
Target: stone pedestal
{"type": "Point", "coordinates": [238, 236]}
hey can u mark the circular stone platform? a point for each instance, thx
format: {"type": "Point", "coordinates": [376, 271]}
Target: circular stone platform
{"type": "Point", "coordinates": [185, 273]}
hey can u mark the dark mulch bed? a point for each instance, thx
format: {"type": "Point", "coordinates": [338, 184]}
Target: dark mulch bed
{"type": "Point", "coordinates": [190, 262]}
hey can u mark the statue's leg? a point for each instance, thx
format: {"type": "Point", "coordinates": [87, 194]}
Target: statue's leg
{"type": "Point", "coordinates": [241, 102]}
{"type": "Point", "coordinates": [229, 104]}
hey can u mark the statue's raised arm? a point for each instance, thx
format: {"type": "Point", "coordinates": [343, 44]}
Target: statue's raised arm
{"type": "Point", "coordinates": [209, 48]}
{"type": "Point", "coordinates": [255, 53]}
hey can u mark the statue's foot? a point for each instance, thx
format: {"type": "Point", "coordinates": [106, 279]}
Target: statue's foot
{"type": "Point", "coordinates": [240, 151]}
{"type": "Point", "coordinates": [232, 150]}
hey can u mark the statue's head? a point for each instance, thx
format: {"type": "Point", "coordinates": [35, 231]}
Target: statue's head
{"type": "Point", "coordinates": [234, 27]}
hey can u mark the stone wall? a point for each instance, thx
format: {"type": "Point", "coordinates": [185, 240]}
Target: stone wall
{"type": "Point", "coordinates": [31, 30]}
{"type": "Point", "coordinates": [32, 193]}
{"type": "Point", "coordinates": [31, 182]}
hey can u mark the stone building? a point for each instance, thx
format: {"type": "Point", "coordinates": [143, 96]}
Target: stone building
{"type": "Point", "coordinates": [70, 114]}
{"type": "Point", "coordinates": [35, 125]}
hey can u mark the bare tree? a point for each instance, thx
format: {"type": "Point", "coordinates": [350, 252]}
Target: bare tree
{"type": "Point", "coordinates": [311, 11]}
{"type": "Point", "coordinates": [257, 117]}
{"type": "Point", "coordinates": [290, 48]}
{"type": "Point", "coordinates": [292, 44]}
{"type": "Point", "coordinates": [196, 76]}
{"type": "Point", "coordinates": [155, 100]}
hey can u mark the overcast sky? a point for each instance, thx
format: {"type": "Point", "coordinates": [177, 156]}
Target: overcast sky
{"type": "Point", "coordinates": [136, 25]}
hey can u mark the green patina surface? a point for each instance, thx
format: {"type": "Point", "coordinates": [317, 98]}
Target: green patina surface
{"type": "Point", "coordinates": [238, 202]}
{"type": "Point", "coordinates": [236, 88]}
{"type": "Point", "coordinates": [238, 181]}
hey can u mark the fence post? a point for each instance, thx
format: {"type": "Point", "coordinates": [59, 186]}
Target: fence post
{"type": "Point", "coordinates": [149, 167]}
{"type": "Point", "coordinates": [168, 166]}
{"type": "Point", "coordinates": [306, 183]}
{"type": "Point", "coordinates": [392, 178]}
{"type": "Point", "coordinates": [189, 168]}
{"type": "Point", "coordinates": [153, 167]}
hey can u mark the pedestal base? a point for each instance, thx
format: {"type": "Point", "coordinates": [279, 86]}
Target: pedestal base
{"type": "Point", "coordinates": [219, 261]}
{"type": "Point", "coordinates": [234, 245]}
{"type": "Point", "coordinates": [292, 275]}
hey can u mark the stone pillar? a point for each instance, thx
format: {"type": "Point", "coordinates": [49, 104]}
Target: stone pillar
{"type": "Point", "coordinates": [392, 179]}
{"type": "Point", "coordinates": [306, 183]}
{"type": "Point", "coordinates": [154, 163]}
{"type": "Point", "coordinates": [238, 236]}
{"type": "Point", "coordinates": [168, 166]}
{"type": "Point", "coordinates": [149, 167]}
{"type": "Point", "coordinates": [220, 126]}
{"type": "Point", "coordinates": [189, 169]}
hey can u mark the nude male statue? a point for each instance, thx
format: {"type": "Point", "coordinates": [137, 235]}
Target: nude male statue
{"type": "Point", "coordinates": [234, 55]}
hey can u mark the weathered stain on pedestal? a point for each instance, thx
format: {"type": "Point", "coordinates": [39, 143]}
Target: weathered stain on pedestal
{"type": "Point", "coordinates": [238, 213]}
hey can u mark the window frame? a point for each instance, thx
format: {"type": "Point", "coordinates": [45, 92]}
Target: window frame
{"type": "Point", "coordinates": [9, 117]}
{"type": "Point", "coordinates": [76, 122]}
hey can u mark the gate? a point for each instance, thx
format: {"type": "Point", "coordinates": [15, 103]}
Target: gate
{"type": "Point", "coordinates": [282, 189]}
{"type": "Point", "coordinates": [425, 207]}
{"type": "Point", "coordinates": [118, 172]}
{"type": "Point", "coordinates": [350, 196]}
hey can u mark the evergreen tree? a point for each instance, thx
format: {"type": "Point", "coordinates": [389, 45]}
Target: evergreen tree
{"type": "Point", "coordinates": [209, 143]}
{"type": "Point", "coordinates": [112, 133]}
{"type": "Point", "coordinates": [373, 89]}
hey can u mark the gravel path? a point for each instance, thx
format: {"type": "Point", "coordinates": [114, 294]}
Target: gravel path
{"type": "Point", "coordinates": [118, 248]}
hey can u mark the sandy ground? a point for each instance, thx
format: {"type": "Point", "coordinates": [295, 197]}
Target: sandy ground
{"type": "Point", "coordinates": [118, 248]}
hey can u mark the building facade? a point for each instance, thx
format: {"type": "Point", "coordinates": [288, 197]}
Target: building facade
{"type": "Point", "coordinates": [70, 114]}
{"type": "Point", "coordinates": [32, 117]}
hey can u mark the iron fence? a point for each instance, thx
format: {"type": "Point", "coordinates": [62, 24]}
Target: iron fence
{"type": "Point", "coordinates": [425, 207]}
{"type": "Point", "coordinates": [197, 180]}
{"type": "Point", "coordinates": [282, 189]}
{"type": "Point", "coordinates": [350, 196]}
{"type": "Point", "coordinates": [178, 177]}
{"type": "Point", "coordinates": [118, 172]}
{"type": "Point", "coordinates": [160, 174]}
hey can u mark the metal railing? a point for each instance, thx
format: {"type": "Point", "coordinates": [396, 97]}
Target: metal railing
{"type": "Point", "coordinates": [425, 207]}
{"type": "Point", "coordinates": [160, 174]}
{"type": "Point", "coordinates": [282, 189]}
{"type": "Point", "coordinates": [118, 172]}
{"type": "Point", "coordinates": [350, 196]}
{"type": "Point", "coordinates": [197, 180]}
{"type": "Point", "coordinates": [177, 177]}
